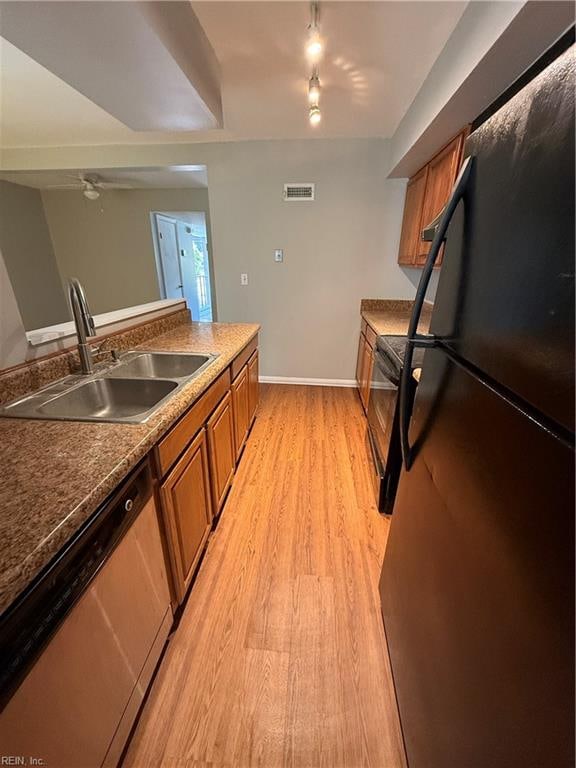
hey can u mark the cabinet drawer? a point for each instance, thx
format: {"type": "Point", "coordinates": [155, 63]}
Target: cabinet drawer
{"type": "Point", "coordinates": [171, 446]}
{"type": "Point", "coordinates": [240, 361]}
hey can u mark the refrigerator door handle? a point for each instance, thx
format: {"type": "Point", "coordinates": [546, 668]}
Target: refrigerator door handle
{"type": "Point", "coordinates": [424, 340]}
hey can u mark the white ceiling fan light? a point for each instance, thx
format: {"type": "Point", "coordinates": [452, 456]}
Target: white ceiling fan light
{"type": "Point", "coordinates": [90, 192]}
{"type": "Point", "coordinates": [91, 186]}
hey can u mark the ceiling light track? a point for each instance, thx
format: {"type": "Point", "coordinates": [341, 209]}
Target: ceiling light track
{"type": "Point", "coordinates": [314, 50]}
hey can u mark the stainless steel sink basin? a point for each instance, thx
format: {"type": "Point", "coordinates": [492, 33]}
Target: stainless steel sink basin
{"type": "Point", "coordinates": [108, 399]}
{"type": "Point", "coordinates": [79, 398]}
{"type": "Point", "coordinates": [130, 391]}
{"type": "Point", "coordinates": [159, 365]}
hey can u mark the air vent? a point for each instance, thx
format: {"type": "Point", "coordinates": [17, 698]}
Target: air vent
{"type": "Point", "coordinates": [298, 192]}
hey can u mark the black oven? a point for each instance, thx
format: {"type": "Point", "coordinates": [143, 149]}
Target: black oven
{"type": "Point", "coordinates": [383, 417]}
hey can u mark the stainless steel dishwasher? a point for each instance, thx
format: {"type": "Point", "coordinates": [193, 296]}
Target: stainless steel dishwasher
{"type": "Point", "coordinates": [81, 644]}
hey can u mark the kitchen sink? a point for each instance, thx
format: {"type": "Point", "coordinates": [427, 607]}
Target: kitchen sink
{"type": "Point", "coordinates": [128, 392]}
{"type": "Point", "coordinates": [108, 399]}
{"type": "Point", "coordinates": [159, 365]}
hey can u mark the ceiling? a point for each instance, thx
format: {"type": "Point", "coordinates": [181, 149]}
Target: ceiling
{"type": "Point", "coordinates": [171, 177]}
{"type": "Point", "coordinates": [377, 56]}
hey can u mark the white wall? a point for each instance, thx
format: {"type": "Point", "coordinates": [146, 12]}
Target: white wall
{"type": "Point", "coordinates": [492, 44]}
{"type": "Point", "coordinates": [29, 257]}
{"type": "Point", "coordinates": [339, 249]}
{"type": "Point", "coordinates": [107, 243]}
{"type": "Point", "coordinates": [13, 342]}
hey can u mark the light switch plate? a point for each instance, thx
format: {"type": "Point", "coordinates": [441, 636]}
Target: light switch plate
{"type": "Point", "coordinates": [243, 278]}
{"type": "Point", "coordinates": [279, 255]}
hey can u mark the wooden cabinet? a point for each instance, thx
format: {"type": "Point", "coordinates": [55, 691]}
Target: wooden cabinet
{"type": "Point", "coordinates": [364, 364]}
{"type": "Point", "coordinates": [253, 387]}
{"type": "Point", "coordinates": [360, 361]}
{"type": "Point", "coordinates": [426, 194]}
{"type": "Point", "coordinates": [196, 460]}
{"type": "Point", "coordinates": [442, 172]}
{"type": "Point", "coordinates": [410, 237]}
{"type": "Point", "coordinates": [240, 403]}
{"type": "Point", "coordinates": [187, 510]}
{"type": "Point", "coordinates": [220, 433]}
{"type": "Point", "coordinates": [367, 374]}
{"type": "Point", "coordinates": [174, 443]}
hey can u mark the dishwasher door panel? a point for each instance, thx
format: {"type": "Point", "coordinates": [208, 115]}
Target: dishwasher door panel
{"type": "Point", "coordinates": [69, 707]}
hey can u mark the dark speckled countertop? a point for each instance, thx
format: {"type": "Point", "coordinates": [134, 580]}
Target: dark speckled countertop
{"type": "Point", "coordinates": [54, 474]}
{"type": "Point", "coordinates": [392, 316]}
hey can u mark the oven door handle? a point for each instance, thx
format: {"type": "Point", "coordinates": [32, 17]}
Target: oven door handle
{"type": "Point", "coordinates": [414, 338]}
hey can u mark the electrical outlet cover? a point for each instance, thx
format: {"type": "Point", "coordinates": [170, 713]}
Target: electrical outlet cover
{"type": "Point", "coordinates": [279, 255]}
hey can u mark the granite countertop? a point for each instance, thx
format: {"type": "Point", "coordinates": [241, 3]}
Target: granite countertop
{"type": "Point", "coordinates": [392, 316]}
{"type": "Point", "coordinates": [54, 474]}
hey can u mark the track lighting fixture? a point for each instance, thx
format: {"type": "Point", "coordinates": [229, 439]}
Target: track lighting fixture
{"type": "Point", "coordinates": [314, 89]}
{"type": "Point", "coordinates": [314, 115]}
{"type": "Point", "coordinates": [314, 51]}
{"type": "Point", "coordinates": [314, 44]}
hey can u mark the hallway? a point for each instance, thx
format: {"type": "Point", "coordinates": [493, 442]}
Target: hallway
{"type": "Point", "coordinates": [280, 658]}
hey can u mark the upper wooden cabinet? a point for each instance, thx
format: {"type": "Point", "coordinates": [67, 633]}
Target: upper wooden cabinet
{"type": "Point", "coordinates": [426, 194]}
{"type": "Point", "coordinates": [410, 236]}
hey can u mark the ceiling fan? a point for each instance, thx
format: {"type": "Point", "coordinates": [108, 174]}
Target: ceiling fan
{"type": "Point", "coordinates": [91, 185]}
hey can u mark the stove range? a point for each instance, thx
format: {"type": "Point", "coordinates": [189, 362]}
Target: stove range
{"type": "Point", "coordinates": [384, 417]}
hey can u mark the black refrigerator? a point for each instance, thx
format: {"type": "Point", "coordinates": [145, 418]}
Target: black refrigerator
{"type": "Point", "coordinates": [477, 585]}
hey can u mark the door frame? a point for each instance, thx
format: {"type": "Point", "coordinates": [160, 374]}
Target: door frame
{"type": "Point", "coordinates": [155, 216]}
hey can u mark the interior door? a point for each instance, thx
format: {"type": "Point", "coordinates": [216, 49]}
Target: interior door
{"type": "Point", "coordinates": [169, 258]}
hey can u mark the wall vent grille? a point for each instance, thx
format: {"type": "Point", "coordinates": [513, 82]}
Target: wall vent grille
{"type": "Point", "coordinates": [298, 192]}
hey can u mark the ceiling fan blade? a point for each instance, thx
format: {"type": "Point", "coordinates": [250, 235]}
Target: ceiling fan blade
{"type": "Point", "coordinates": [64, 186]}
{"type": "Point", "coordinates": [112, 185]}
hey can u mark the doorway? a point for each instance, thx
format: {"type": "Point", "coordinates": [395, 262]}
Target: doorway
{"type": "Point", "coordinates": [182, 261]}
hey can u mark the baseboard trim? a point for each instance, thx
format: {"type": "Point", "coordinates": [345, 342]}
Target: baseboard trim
{"type": "Point", "coordinates": [307, 382]}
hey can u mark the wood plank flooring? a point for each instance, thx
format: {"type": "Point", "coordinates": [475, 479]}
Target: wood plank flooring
{"type": "Point", "coordinates": [280, 657]}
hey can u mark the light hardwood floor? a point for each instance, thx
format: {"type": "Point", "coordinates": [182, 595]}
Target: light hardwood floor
{"type": "Point", "coordinates": [280, 656]}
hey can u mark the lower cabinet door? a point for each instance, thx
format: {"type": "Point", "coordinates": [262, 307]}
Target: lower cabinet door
{"type": "Point", "coordinates": [220, 431]}
{"type": "Point", "coordinates": [360, 360]}
{"type": "Point", "coordinates": [187, 509]}
{"type": "Point", "coordinates": [366, 374]}
{"type": "Point", "coordinates": [253, 386]}
{"type": "Point", "coordinates": [241, 409]}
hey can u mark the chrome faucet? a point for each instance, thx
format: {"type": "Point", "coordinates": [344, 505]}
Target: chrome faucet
{"type": "Point", "coordinates": [84, 323]}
